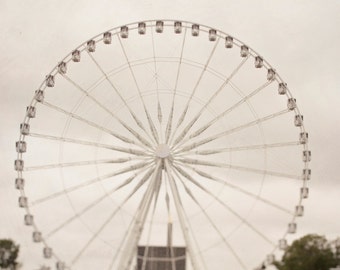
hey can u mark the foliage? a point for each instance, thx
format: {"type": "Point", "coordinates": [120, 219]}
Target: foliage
{"type": "Point", "coordinates": [311, 252]}
{"type": "Point", "coordinates": [8, 254]}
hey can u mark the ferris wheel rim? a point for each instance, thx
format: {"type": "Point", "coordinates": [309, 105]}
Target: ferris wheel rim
{"type": "Point", "coordinates": [82, 47]}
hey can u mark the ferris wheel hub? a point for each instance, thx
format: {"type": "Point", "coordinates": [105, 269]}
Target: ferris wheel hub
{"type": "Point", "coordinates": [162, 150]}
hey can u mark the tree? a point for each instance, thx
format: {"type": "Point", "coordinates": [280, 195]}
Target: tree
{"type": "Point", "coordinates": [311, 252]}
{"type": "Point", "coordinates": [8, 254]}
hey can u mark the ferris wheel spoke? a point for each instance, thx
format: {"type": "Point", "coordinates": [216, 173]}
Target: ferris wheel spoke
{"type": "Point", "coordinates": [192, 161]}
{"type": "Point", "coordinates": [186, 107]}
{"type": "Point", "coordinates": [134, 234]}
{"type": "Point", "coordinates": [205, 105]}
{"type": "Point", "coordinates": [221, 115]}
{"type": "Point", "coordinates": [159, 108]}
{"type": "Point", "coordinates": [238, 148]}
{"type": "Point", "coordinates": [118, 208]}
{"type": "Point", "coordinates": [137, 121]}
{"type": "Point", "coordinates": [148, 116]}
{"type": "Point", "coordinates": [144, 145]}
{"type": "Point", "coordinates": [224, 182]}
{"type": "Point", "coordinates": [212, 223]}
{"type": "Point", "coordinates": [192, 180]}
{"type": "Point", "coordinates": [89, 143]}
{"type": "Point", "coordinates": [97, 201]}
{"type": "Point", "coordinates": [80, 163]}
{"type": "Point", "coordinates": [231, 131]}
{"type": "Point", "coordinates": [116, 254]}
{"type": "Point", "coordinates": [171, 114]}
{"type": "Point", "coordinates": [156, 194]}
{"type": "Point", "coordinates": [183, 220]}
{"type": "Point", "coordinates": [89, 182]}
{"type": "Point", "coordinates": [126, 126]}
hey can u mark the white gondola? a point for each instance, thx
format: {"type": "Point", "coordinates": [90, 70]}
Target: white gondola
{"type": "Point", "coordinates": [49, 81]}
{"type": "Point", "coordinates": [212, 34]}
{"type": "Point", "coordinates": [306, 155]}
{"type": "Point", "coordinates": [28, 220]}
{"type": "Point", "coordinates": [60, 265]}
{"type": "Point", "coordinates": [36, 237]}
{"type": "Point", "coordinates": [282, 88]}
{"type": "Point", "coordinates": [21, 146]}
{"type": "Point", "coordinates": [62, 68]}
{"type": "Point", "coordinates": [304, 192]}
{"type": "Point", "coordinates": [178, 27]}
{"type": "Point", "coordinates": [47, 251]}
{"type": "Point", "coordinates": [258, 62]}
{"type": "Point", "coordinates": [30, 111]}
{"type": "Point", "coordinates": [91, 46]}
{"type": "Point", "coordinates": [271, 74]}
{"type": "Point", "coordinates": [24, 128]}
{"type": "Point", "coordinates": [270, 258]}
{"type": "Point", "coordinates": [39, 95]}
{"type": "Point", "coordinates": [291, 104]}
{"type": "Point", "coordinates": [306, 174]}
{"type": "Point", "coordinates": [292, 227]}
{"type": "Point", "coordinates": [229, 42]}
{"type": "Point", "coordinates": [19, 183]}
{"type": "Point", "coordinates": [141, 28]}
{"type": "Point", "coordinates": [19, 165]}
{"type": "Point", "coordinates": [303, 137]}
{"type": "Point", "coordinates": [298, 120]}
{"type": "Point", "coordinates": [124, 32]}
{"type": "Point", "coordinates": [76, 56]}
{"type": "Point", "coordinates": [159, 26]}
{"type": "Point", "coordinates": [195, 30]}
{"type": "Point", "coordinates": [107, 38]}
{"type": "Point", "coordinates": [22, 201]}
{"type": "Point", "coordinates": [299, 210]}
{"type": "Point", "coordinates": [283, 244]}
{"type": "Point", "coordinates": [244, 51]}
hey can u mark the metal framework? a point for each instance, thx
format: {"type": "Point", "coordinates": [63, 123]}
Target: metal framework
{"type": "Point", "coordinates": [155, 125]}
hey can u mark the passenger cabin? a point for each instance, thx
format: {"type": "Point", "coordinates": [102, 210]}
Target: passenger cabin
{"type": "Point", "coordinates": [271, 74]}
{"type": "Point", "coordinates": [28, 220]}
{"type": "Point", "coordinates": [283, 244]}
{"type": "Point", "coordinates": [124, 32]}
{"type": "Point", "coordinates": [37, 237]}
{"type": "Point", "coordinates": [62, 68]}
{"type": "Point", "coordinates": [178, 27]}
{"type": "Point", "coordinates": [49, 81]}
{"type": "Point", "coordinates": [299, 210]}
{"type": "Point", "coordinates": [31, 111]}
{"type": "Point", "coordinates": [212, 34]}
{"type": "Point", "coordinates": [141, 28]}
{"type": "Point", "coordinates": [159, 26]}
{"type": "Point", "coordinates": [229, 42]}
{"type": "Point", "coordinates": [91, 46]}
{"type": "Point", "coordinates": [47, 251]}
{"type": "Point", "coordinates": [195, 30]}
{"type": "Point", "coordinates": [107, 38]}
{"type": "Point", "coordinates": [19, 183]}
{"type": "Point", "coordinates": [76, 56]}
{"type": "Point", "coordinates": [20, 146]}
{"type": "Point", "coordinates": [244, 51]}
{"type": "Point", "coordinates": [304, 191]}
{"type": "Point", "coordinates": [258, 62]}
{"type": "Point", "coordinates": [292, 227]}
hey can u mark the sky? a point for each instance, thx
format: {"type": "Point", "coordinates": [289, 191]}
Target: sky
{"type": "Point", "coordinates": [299, 38]}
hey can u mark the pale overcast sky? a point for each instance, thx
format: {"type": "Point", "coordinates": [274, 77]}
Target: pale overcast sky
{"type": "Point", "coordinates": [299, 38]}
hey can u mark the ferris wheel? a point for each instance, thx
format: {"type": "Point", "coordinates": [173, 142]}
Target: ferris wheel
{"type": "Point", "coordinates": [162, 145]}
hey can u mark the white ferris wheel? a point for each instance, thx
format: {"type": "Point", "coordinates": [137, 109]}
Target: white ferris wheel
{"type": "Point", "coordinates": [162, 145]}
